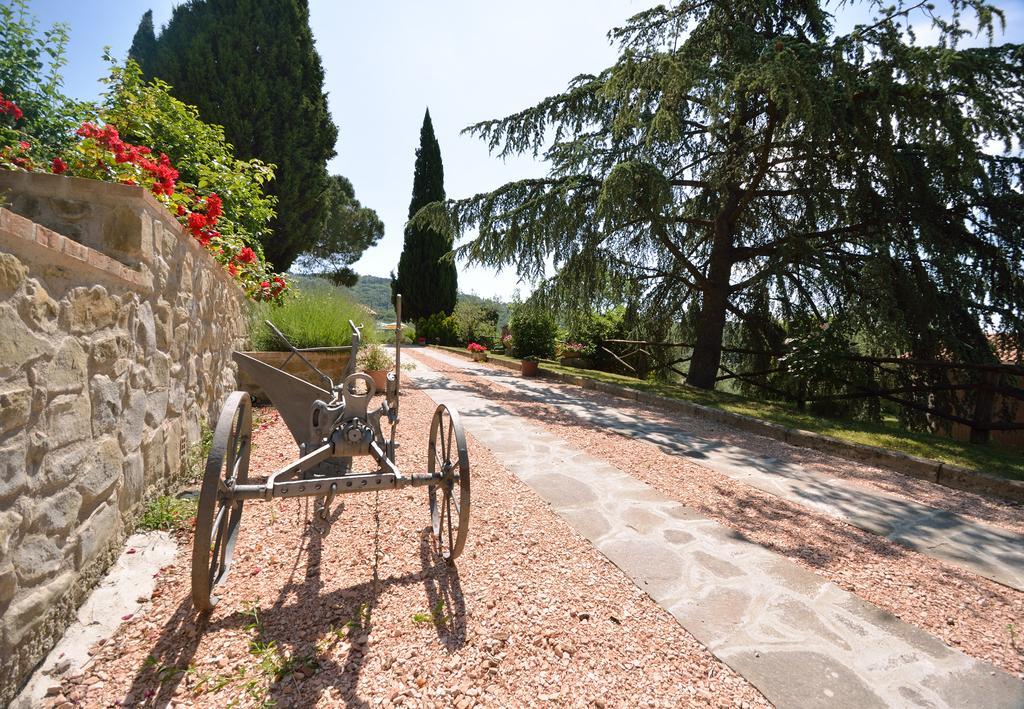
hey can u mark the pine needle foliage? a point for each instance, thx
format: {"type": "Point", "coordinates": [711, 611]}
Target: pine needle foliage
{"type": "Point", "coordinates": [742, 163]}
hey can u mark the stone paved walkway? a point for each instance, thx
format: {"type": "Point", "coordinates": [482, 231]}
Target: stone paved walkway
{"type": "Point", "coordinates": [802, 641]}
{"type": "Point", "coordinates": [982, 549]}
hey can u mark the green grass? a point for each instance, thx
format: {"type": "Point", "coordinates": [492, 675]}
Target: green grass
{"type": "Point", "coordinates": [992, 459]}
{"type": "Point", "coordinates": [316, 317]}
{"type": "Point", "coordinates": [168, 513]}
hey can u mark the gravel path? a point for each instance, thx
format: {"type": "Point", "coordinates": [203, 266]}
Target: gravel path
{"type": "Point", "coordinates": [981, 618]}
{"type": "Point", "coordinates": [359, 613]}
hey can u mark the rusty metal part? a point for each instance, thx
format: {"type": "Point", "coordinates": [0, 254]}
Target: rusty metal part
{"type": "Point", "coordinates": [330, 427]}
{"type": "Point", "coordinates": [220, 512]}
{"type": "Point", "coordinates": [448, 458]}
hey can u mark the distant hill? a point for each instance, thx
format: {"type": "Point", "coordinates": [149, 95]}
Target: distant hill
{"type": "Point", "coordinates": [375, 293]}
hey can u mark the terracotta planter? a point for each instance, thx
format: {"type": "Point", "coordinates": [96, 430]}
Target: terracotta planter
{"type": "Point", "coordinates": [528, 368]}
{"type": "Point", "coordinates": [578, 362]}
{"type": "Point", "coordinates": [479, 356]}
{"type": "Point", "coordinates": [380, 380]}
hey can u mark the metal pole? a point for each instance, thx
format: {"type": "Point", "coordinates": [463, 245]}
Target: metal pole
{"type": "Point", "coordinates": [398, 347]}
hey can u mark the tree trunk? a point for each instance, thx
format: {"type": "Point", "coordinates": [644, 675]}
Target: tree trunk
{"type": "Point", "coordinates": [707, 347]}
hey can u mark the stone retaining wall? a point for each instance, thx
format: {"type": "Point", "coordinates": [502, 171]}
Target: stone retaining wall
{"type": "Point", "coordinates": [114, 343]}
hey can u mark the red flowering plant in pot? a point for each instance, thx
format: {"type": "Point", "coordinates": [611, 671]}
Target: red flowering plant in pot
{"type": "Point", "coordinates": [478, 351]}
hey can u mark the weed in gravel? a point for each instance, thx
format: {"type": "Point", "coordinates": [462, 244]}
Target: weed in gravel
{"type": "Point", "coordinates": [360, 620]}
{"type": "Point", "coordinates": [195, 460]}
{"type": "Point", "coordinates": [168, 513]}
{"type": "Point", "coordinates": [435, 616]}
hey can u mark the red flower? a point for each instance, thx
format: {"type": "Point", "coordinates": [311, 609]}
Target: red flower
{"type": "Point", "coordinates": [232, 269]}
{"type": "Point", "coordinates": [181, 210]}
{"type": "Point", "coordinates": [24, 145]}
{"type": "Point", "coordinates": [214, 208]}
{"type": "Point", "coordinates": [246, 255]}
{"type": "Point", "coordinates": [196, 222]}
{"type": "Point", "coordinates": [58, 166]}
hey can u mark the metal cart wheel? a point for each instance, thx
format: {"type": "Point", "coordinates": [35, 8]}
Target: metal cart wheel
{"type": "Point", "coordinates": [219, 515]}
{"type": "Point", "coordinates": [448, 456]}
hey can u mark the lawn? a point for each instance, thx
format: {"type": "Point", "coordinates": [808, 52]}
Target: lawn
{"type": "Point", "coordinates": [992, 459]}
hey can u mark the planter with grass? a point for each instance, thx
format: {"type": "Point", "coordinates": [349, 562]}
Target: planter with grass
{"type": "Point", "coordinates": [375, 361]}
{"type": "Point", "coordinates": [316, 322]}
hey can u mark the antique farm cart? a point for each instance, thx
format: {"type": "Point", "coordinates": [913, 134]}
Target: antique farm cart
{"type": "Point", "coordinates": [331, 426]}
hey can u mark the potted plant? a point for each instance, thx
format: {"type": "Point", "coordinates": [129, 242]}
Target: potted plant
{"type": "Point", "coordinates": [528, 365]}
{"type": "Point", "coordinates": [479, 351]}
{"type": "Point", "coordinates": [572, 354]}
{"type": "Point", "coordinates": [375, 361]}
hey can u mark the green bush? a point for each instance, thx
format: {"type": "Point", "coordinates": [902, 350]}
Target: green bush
{"type": "Point", "coordinates": [315, 317]}
{"type": "Point", "coordinates": [533, 331]}
{"type": "Point", "coordinates": [590, 329]}
{"type": "Point", "coordinates": [439, 329]}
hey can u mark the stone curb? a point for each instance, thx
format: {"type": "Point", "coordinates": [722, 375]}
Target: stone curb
{"type": "Point", "coordinates": [946, 474]}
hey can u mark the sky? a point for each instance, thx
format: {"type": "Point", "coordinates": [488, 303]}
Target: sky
{"type": "Point", "coordinates": [385, 63]}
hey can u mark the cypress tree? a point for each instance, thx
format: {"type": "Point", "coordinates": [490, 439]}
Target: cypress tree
{"type": "Point", "coordinates": [252, 67]}
{"type": "Point", "coordinates": [143, 46]}
{"type": "Point", "coordinates": [427, 283]}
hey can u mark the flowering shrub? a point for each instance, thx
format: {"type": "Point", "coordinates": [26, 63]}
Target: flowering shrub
{"type": "Point", "coordinates": [571, 349]}
{"type": "Point", "coordinates": [476, 348]}
{"type": "Point", "coordinates": [506, 341]}
{"type": "Point", "coordinates": [101, 153]}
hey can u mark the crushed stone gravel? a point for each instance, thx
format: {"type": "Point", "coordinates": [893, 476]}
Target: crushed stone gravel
{"type": "Point", "coordinates": [975, 615]}
{"type": "Point", "coordinates": [358, 611]}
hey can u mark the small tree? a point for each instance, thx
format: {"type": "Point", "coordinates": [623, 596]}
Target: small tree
{"type": "Point", "coordinates": [349, 229]}
{"type": "Point", "coordinates": [533, 331]}
{"type": "Point", "coordinates": [426, 279]}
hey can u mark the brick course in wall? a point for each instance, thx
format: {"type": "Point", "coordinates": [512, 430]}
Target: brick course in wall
{"type": "Point", "coordinates": [114, 345]}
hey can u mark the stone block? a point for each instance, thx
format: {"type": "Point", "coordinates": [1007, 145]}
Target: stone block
{"type": "Point", "coordinates": [12, 273]}
{"type": "Point", "coordinates": [173, 445]}
{"type": "Point", "coordinates": [10, 522]}
{"type": "Point", "coordinates": [154, 460]}
{"type": "Point", "coordinates": [15, 404]}
{"type": "Point", "coordinates": [133, 486]}
{"type": "Point", "coordinates": [37, 308]}
{"type": "Point", "coordinates": [55, 514]}
{"type": "Point", "coordinates": [100, 473]}
{"type": "Point", "coordinates": [18, 345]}
{"type": "Point", "coordinates": [158, 368]}
{"type": "Point", "coordinates": [145, 328]}
{"type": "Point", "coordinates": [89, 309]}
{"type": "Point", "coordinates": [60, 468]}
{"type": "Point", "coordinates": [109, 352]}
{"type": "Point", "coordinates": [35, 558]}
{"type": "Point", "coordinates": [29, 611]}
{"type": "Point", "coordinates": [13, 478]}
{"type": "Point", "coordinates": [133, 422]}
{"type": "Point", "coordinates": [8, 583]}
{"type": "Point", "coordinates": [156, 407]}
{"type": "Point", "coordinates": [164, 317]}
{"type": "Point", "coordinates": [96, 533]}
{"type": "Point", "coordinates": [66, 419]}
{"type": "Point", "coordinates": [65, 372]}
{"type": "Point", "coordinates": [106, 396]}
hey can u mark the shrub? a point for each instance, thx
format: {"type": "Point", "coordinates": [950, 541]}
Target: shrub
{"type": "Point", "coordinates": [439, 329]}
{"type": "Point", "coordinates": [476, 322]}
{"type": "Point", "coordinates": [315, 317]}
{"type": "Point", "coordinates": [533, 331]}
{"type": "Point", "coordinates": [374, 358]}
